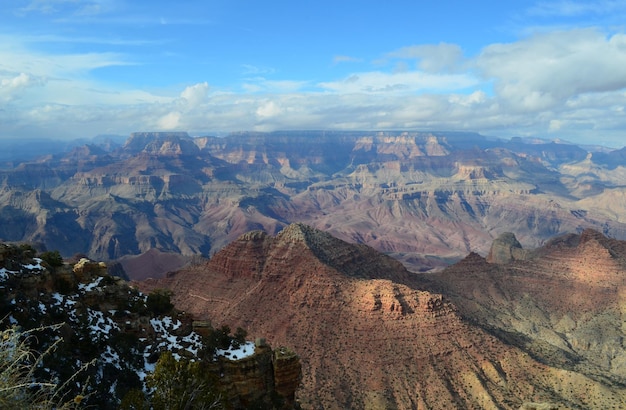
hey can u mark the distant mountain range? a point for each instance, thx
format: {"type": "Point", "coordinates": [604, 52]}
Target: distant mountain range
{"type": "Point", "coordinates": [427, 199]}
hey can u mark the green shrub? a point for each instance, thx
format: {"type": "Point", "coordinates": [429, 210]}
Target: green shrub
{"type": "Point", "coordinates": [159, 301]}
{"type": "Point", "coordinates": [182, 384]}
{"type": "Point", "coordinates": [52, 258]}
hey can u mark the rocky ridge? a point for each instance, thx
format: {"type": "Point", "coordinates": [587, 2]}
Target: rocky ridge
{"type": "Point", "coordinates": [370, 334]}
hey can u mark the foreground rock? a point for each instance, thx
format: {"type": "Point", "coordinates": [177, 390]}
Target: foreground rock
{"type": "Point", "coordinates": [368, 333]}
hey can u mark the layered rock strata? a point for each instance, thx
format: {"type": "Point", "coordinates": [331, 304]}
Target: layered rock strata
{"type": "Point", "coordinates": [368, 333]}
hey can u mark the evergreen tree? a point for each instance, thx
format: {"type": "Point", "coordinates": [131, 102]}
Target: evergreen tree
{"type": "Point", "coordinates": [183, 384]}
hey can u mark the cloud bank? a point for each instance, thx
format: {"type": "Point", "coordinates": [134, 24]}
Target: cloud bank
{"type": "Point", "coordinates": [568, 84]}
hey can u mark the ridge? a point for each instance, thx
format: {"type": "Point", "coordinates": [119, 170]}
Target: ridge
{"type": "Point", "coordinates": [372, 335]}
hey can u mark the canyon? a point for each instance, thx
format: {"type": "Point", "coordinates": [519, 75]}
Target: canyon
{"type": "Point", "coordinates": [405, 270]}
{"type": "Point", "coordinates": [425, 198]}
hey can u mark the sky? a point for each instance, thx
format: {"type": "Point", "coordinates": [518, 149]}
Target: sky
{"type": "Point", "coordinates": [545, 69]}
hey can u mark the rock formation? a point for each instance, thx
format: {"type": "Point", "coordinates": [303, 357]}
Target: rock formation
{"type": "Point", "coordinates": [505, 248]}
{"type": "Point", "coordinates": [563, 302]}
{"type": "Point", "coordinates": [369, 333]}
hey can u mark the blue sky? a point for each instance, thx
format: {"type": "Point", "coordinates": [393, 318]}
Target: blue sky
{"type": "Point", "coordinates": [548, 69]}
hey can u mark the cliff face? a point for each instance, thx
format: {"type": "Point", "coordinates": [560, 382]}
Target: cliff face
{"type": "Point", "coordinates": [267, 379]}
{"type": "Point", "coordinates": [368, 332]}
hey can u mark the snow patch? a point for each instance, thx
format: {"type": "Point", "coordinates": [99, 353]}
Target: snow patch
{"type": "Point", "coordinates": [91, 286]}
{"type": "Point", "coordinates": [244, 350]}
{"type": "Point", "coordinates": [100, 326]}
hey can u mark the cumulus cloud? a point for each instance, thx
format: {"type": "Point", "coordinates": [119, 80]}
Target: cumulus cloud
{"type": "Point", "coordinates": [12, 86]}
{"type": "Point", "coordinates": [268, 109]}
{"type": "Point", "coordinates": [196, 94]}
{"type": "Point", "coordinates": [22, 80]}
{"type": "Point", "coordinates": [548, 69]}
{"type": "Point", "coordinates": [567, 83]}
{"type": "Point", "coordinates": [170, 121]}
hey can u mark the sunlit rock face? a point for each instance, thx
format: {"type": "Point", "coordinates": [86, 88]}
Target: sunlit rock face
{"type": "Point", "coordinates": [371, 334]}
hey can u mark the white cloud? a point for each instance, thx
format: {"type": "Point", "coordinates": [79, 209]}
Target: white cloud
{"type": "Point", "coordinates": [170, 121]}
{"type": "Point", "coordinates": [268, 109]}
{"type": "Point", "coordinates": [546, 70]}
{"type": "Point", "coordinates": [16, 57]}
{"type": "Point", "coordinates": [346, 59]}
{"type": "Point", "coordinates": [567, 83]}
{"type": "Point", "coordinates": [261, 84]}
{"type": "Point", "coordinates": [432, 58]}
{"type": "Point", "coordinates": [78, 8]}
{"type": "Point", "coordinates": [249, 69]}
{"type": "Point", "coordinates": [568, 8]}
{"type": "Point", "coordinates": [195, 94]}
{"type": "Point", "coordinates": [10, 86]}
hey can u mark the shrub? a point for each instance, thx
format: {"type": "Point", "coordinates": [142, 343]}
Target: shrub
{"type": "Point", "coordinates": [182, 384]}
{"type": "Point", "coordinates": [159, 301]}
{"type": "Point", "coordinates": [52, 258]}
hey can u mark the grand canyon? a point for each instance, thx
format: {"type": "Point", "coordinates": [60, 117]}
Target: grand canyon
{"type": "Point", "coordinates": [427, 199]}
{"type": "Point", "coordinates": [407, 270]}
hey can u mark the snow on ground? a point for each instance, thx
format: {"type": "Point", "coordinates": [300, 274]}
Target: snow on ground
{"type": "Point", "coordinates": [33, 268]}
{"type": "Point", "coordinates": [163, 328]}
{"type": "Point", "coordinates": [36, 267]}
{"type": "Point", "coordinates": [100, 326]}
{"type": "Point", "coordinates": [112, 357]}
{"type": "Point", "coordinates": [147, 366]}
{"type": "Point", "coordinates": [4, 273]}
{"type": "Point", "coordinates": [91, 286]}
{"type": "Point", "coordinates": [244, 350]}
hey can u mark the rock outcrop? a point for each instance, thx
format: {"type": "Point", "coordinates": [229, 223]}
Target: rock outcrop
{"type": "Point", "coordinates": [108, 336]}
{"type": "Point", "coordinates": [267, 379]}
{"type": "Point", "coordinates": [506, 248]}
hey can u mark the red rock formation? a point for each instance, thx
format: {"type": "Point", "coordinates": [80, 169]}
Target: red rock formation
{"type": "Point", "coordinates": [367, 337]}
